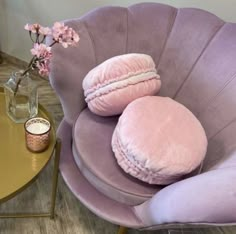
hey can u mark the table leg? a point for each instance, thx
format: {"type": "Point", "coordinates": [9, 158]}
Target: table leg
{"type": "Point", "coordinates": [122, 230]}
{"type": "Point", "coordinates": [55, 177]}
{"type": "Point", "coordinates": [51, 213]}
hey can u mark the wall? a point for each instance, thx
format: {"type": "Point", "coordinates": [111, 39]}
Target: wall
{"type": "Point", "coordinates": [14, 14]}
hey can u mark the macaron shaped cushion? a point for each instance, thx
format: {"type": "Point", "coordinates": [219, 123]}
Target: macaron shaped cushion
{"type": "Point", "coordinates": [112, 85]}
{"type": "Point", "coordinates": [158, 140]}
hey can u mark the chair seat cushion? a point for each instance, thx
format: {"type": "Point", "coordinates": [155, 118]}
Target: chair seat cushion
{"type": "Point", "coordinates": [158, 140]}
{"type": "Point", "coordinates": [113, 84]}
{"type": "Point", "coordinates": [93, 155]}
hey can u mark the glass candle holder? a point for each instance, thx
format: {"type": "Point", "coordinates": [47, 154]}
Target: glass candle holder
{"type": "Point", "coordinates": [37, 134]}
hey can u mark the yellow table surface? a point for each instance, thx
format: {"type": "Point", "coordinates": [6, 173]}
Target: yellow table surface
{"type": "Point", "coordinates": [18, 166]}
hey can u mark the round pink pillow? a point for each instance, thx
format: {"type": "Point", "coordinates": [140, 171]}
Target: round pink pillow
{"type": "Point", "coordinates": [112, 85]}
{"type": "Point", "coordinates": [158, 140]}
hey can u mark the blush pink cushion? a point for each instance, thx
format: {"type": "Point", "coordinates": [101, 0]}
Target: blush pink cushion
{"type": "Point", "coordinates": [158, 140]}
{"type": "Point", "coordinates": [112, 85]}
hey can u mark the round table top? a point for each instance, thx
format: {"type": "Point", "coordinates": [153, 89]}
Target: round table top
{"type": "Point", "coordinates": [18, 166]}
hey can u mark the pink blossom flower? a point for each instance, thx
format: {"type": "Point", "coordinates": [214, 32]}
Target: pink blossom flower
{"type": "Point", "coordinates": [34, 28]}
{"type": "Point", "coordinates": [58, 30]}
{"type": "Point", "coordinates": [37, 28]}
{"type": "Point", "coordinates": [43, 67]}
{"type": "Point", "coordinates": [61, 33]}
{"type": "Point", "coordinates": [64, 35]}
{"type": "Point", "coordinates": [44, 31]}
{"type": "Point", "coordinates": [75, 37]}
{"type": "Point", "coordinates": [27, 27]}
{"type": "Point", "coordinates": [41, 51]}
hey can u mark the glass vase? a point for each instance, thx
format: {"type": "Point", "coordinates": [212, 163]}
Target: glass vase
{"type": "Point", "coordinates": [21, 97]}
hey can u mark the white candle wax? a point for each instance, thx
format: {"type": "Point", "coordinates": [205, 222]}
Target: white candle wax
{"type": "Point", "coordinates": [37, 128]}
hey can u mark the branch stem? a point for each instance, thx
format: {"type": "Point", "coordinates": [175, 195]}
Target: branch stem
{"type": "Point", "coordinates": [23, 74]}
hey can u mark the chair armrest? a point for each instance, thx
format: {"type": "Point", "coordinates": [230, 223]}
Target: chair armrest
{"type": "Point", "coordinates": [206, 198]}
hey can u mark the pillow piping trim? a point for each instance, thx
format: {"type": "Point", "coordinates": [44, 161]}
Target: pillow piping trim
{"type": "Point", "coordinates": [113, 87]}
{"type": "Point", "coordinates": [116, 79]}
{"type": "Point", "coordinates": [121, 156]}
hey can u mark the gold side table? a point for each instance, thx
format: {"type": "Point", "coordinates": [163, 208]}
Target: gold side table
{"type": "Point", "coordinates": [19, 167]}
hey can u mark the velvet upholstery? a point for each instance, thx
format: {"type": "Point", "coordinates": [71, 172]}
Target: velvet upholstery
{"type": "Point", "coordinates": [98, 164]}
{"type": "Point", "coordinates": [195, 53]}
{"type": "Point", "coordinates": [158, 140]}
{"type": "Point", "coordinates": [113, 84]}
{"type": "Point", "coordinates": [101, 205]}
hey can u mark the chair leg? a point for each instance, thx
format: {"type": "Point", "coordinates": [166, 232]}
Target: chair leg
{"type": "Point", "coordinates": [122, 230]}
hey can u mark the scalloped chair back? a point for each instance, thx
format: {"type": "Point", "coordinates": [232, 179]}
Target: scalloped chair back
{"type": "Point", "coordinates": [194, 52]}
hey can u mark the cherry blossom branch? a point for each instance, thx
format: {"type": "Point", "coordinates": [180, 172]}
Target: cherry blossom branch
{"type": "Point", "coordinates": [42, 54]}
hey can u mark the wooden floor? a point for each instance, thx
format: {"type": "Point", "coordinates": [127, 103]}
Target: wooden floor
{"type": "Point", "coordinates": [71, 216]}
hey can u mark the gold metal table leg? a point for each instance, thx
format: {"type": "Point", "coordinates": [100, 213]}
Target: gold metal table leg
{"type": "Point", "coordinates": [55, 177]}
{"type": "Point", "coordinates": [50, 214]}
{"type": "Point", "coordinates": [122, 230]}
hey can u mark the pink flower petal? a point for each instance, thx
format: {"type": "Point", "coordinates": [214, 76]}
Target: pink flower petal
{"type": "Point", "coordinates": [45, 31]}
{"type": "Point", "coordinates": [27, 27]}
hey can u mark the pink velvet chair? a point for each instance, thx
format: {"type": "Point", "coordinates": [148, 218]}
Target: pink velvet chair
{"type": "Point", "coordinates": [195, 55]}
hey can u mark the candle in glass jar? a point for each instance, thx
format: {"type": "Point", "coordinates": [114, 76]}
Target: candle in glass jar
{"type": "Point", "coordinates": [37, 128]}
{"type": "Point", "coordinates": [37, 133]}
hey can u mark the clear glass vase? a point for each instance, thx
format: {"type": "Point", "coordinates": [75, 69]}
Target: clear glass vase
{"type": "Point", "coordinates": [21, 101]}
